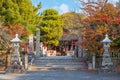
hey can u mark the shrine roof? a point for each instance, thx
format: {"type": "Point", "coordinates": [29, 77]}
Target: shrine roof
{"type": "Point", "coordinates": [68, 37]}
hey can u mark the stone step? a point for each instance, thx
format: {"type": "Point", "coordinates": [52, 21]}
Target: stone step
{"type": "Point", "coordinates": [52, 61]}
{"type": "Point", "coordinates": [49, 59]}
{"type": "Point", "coordinates": [72, 63]}
{"type": "Point", "coordinates": [57, 63]}
{"type": "Point", "coordinates": [54, 65]}
{"type": "Point", "coordinates": [56, 57]}
{"type": "Point", "coordinates": [54, 68]}
{"type": "Point", "coordinates": [60, 59]}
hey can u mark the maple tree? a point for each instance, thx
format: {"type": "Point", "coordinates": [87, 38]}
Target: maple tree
{"type": "Point", "coordinates": [7, 33]}
{"type": "Point", "coordinates": [102, 18]}
{"type": "Point", "coordinates": [15, 29]}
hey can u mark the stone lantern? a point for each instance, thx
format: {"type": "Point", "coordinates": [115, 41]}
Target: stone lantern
{"type": "Point", "coordinates": [16, 63]}
{"type": "Point", "coordinates": [16, 56]}
{"type": "Point", "coordinates": [107, 64]}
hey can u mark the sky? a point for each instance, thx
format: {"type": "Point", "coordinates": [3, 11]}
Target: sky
{"type": "Point", "coordinates": [62, 6]}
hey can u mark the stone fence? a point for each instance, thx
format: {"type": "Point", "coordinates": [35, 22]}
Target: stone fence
{"type": "Point", "coordinates": [115, 57]}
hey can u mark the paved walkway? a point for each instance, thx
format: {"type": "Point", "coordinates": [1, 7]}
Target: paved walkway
{"type": "Point", "coordinates": [59, 75]}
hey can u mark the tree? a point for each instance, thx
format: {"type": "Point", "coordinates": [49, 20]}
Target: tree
{"type": "Point", "coordinates": [11, 30]}
{"type": "Point", "coordinates": [72, 21]}
{"type": "Point", "coordinates": [17, 16]}
{"type": "Point", "coordinates": [19, 12]}
{"type": "Point", "coordinates": [102, 18]}
{"type": "Point", "coordinates": [51, 27]}
{"type": "Point", "coordinates": [7, 34]}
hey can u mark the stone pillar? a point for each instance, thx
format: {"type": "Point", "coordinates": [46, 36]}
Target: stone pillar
{"type": "Point", "coordinates": [80, 52]}
{"type": "Point", "coordinates": [31, 45]}
{"type": "Point", "coordinates": [38, 42]}
{"type": "Point", "coordinates": [76, 52]}
{"type": "Point", "coordinates": [93, 61]}
{"type": "Point", "coordinates": [26, 61]}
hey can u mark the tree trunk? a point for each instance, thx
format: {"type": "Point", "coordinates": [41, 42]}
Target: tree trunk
{"type": "Point", "coordinates": [8, 57]}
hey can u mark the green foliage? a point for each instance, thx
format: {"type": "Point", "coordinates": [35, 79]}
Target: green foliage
{"type": "Point", "coordinates": [19, 12]}
{"type": "Point", "coordinates": [116, 43]}
{"type": "Point", "coordinates": [51, 27]}
{"type": "Point", "coordinates": [2, 48]}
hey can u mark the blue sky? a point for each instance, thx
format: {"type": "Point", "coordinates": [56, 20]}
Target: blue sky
{"type": "Point", "coordinates": [61, 5]}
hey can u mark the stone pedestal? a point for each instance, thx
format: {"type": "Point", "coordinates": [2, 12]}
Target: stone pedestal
{"type": "Point", "coordinates": [15, 67]}
{"type": "Point", "coordinates": [107, 64]}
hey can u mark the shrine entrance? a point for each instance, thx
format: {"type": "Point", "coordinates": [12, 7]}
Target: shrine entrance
{"type": "Point", "coordinates": [67, 44]}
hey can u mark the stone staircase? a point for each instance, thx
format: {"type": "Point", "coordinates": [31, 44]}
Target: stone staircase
{"type": "Point", "coordinates": [57, 63]}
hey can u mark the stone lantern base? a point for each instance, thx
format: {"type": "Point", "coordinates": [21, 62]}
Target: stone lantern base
{"type": "Point", "coordinates": [107, 65]}
{"type": "Point", "coordinates": [107, 69]}
{"type": "Point", "coordinates": [15, 67]}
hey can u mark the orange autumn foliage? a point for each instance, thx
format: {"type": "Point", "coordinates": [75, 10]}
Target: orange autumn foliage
{"type": "Point", "coordinates": [102, 18]}
{"type": "Point", "coordinates": [15, 29]}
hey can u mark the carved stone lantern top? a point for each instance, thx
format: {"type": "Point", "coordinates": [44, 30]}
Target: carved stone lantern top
{"type": "Point", "coordinates": [106, 40]}
{"type": "Point", "coordinates": [16, 39]}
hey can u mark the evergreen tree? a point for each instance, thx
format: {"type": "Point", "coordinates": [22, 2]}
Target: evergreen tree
{"type": "Point", "coordinates": [19, 12]}
{"type": "Point", "coordinates": [51, 27]}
